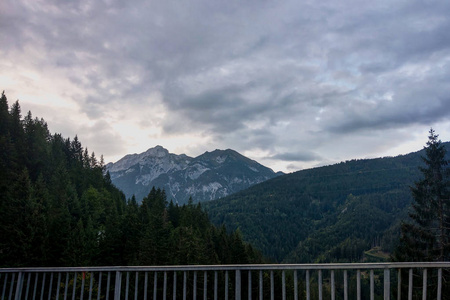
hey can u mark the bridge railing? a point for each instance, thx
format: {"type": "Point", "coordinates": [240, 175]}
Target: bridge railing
{"type": "Point", "coordinates": [273, 281]}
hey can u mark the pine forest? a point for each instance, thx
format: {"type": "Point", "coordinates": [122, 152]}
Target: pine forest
{"type": "Point", "coordinates": [59, 208]}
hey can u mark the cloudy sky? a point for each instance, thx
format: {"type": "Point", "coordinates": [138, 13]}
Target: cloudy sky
{"type": "Point", "coordinates": [291, 84]}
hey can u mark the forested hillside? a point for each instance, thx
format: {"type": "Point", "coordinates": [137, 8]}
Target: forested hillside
{"type": "Point", "coordinates": [332, 213]}
{"type": "Point", "coordinates": [59, 208]}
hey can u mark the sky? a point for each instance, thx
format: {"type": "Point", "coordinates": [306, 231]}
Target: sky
{"type": "Point", "coordinates": [290, 84]}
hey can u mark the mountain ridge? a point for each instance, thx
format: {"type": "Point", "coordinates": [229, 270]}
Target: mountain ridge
{"type": "Point", "coordinates": [209, 176]}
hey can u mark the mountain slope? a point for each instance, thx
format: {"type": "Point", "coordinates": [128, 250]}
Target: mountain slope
{"type": "Point", "coordinates": [209, 176]}
{"type": "Point", "coordinates": [311, 215]}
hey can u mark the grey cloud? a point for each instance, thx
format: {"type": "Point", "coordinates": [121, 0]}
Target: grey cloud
{"type": "Point", "coordinates": [236, 71]}
{"type": "Point", "coordinates": [293, 167]}
{"type": "Point", "coordinates": [423, 102]}
{"type": "Point", "coordinates": [303, 156]}
{"type": "Point", "coordinates": [102, 138]}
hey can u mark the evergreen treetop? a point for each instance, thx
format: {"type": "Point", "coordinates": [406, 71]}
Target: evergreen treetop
{"type": "Point", "coordinates": [426, 236]}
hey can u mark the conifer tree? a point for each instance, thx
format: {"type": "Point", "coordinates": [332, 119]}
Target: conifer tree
{"type": "Point", "coordinates": [4, 115]}
{"type": "Point", "coordinates": [426, 237]}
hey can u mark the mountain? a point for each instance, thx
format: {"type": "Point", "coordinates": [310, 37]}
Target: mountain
{"type": "Point", "coordinates": [209, 176]}
{"type": "Point", "coordinates": [332, 213]}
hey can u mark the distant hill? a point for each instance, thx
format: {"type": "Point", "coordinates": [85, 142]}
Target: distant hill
{"type": "Point", "coordinates": [331, 213]}
{"type": "Point", "coordinates": [209, 176]}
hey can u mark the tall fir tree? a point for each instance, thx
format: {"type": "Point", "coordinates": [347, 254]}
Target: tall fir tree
{"type": "Point", "coordinates": [426, 237]}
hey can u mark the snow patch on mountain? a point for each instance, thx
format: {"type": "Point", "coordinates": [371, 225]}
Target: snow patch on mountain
{"type": "Point", "coordinates": [196, 170]}
{"type": "Point", "coordinates": [130, 170]}
{"type": "Point", "coordinates": [237, 180]}
{"type": "Point", "coordinates": [221, 159]}
{"type": "Point", "coordinates": [253, 169]}
{"type": "Point", "coordinates": [211, 188]}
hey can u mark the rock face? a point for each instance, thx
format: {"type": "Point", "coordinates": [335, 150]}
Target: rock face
{"type": "Point", "coordinates": [209, 176]}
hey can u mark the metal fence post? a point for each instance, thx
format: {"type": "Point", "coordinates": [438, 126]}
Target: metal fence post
{"type": "Point", "coordinates": [333, 288]}
{"type": "Point", "coordinates": [372, 286]}
{"type": "Point", "coordinates": [319, 283]}
{"type": "Point", "coordinates": [424, 293]}
{"type": "Point", "coordinates": [439, 288]}
{"type": "Point", "coordinates": [387, 284]}
{"type": "Point", "coordinates": [308, 292]}
{"type": "Point", "coordinates": [345, 285]}
{"type": "Point", "coordinates": [118, 285]}
{"type": "Point", "coordinates": [19, 286]}
{"type": "Point", "coordinates": [238, 285]}
{"type": "Point", "coordinates": [358, 284]}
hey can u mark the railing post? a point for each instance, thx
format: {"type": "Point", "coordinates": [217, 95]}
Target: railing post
{"type": "Point", "coordinates": [5, 281]}
{"type": "Point", "coordinates": [127, 285]}
{"type": "Point", "coordinates": [358, 284]}
{"type": "Point", "coordinates": [108, 284]}
{"type": "Point", "coordinates": [249, 284]}
{"type": "Point", "coordinates": [118, 285]}
{"type": "Point", "coordinates": [345, 285]}
{"type": "Point", "coordinates": [295, 285]}
{"type": "Point", "coordinates": [155, 285]}
{"type": "Point", "coordinates": [410, 284]}
{"type": "Point", "coordinates": [28, 286]}
{"type": "Point", "coordinates": [51, 285]}
{"type": "Point", "coordinates": [19, 286]}
{"type": "Point", "coordinates": [333, 296]}
{"type": "Point", "coordinates": [11, 288]}
{"type": "Point", "coordinates": [372, 286]}
{"type": "Point", "coordinates": [308, 292]}
{"type": "Point", "coordinates": [215, 285]}
{"type": "Point", "coordinates": [205, 285]}
{"type": "Point", "coordinates": [195, 286]}
{"type": "Point", "coordinates": [387, 284]}
{"type": "Point", "coordinates": [439, 288]}
{"type": "Point", "coordinates": [43, 285]}
{"type": "Point", "coordinates": [165, 286]}
{"type": "Point", "coordinates": [83, 276]}
{"type": "Point", "coordinates": [272, 287]}
{"type": "Point", "coordinates": [184, 285]}
{"type": "Point", "coordinates": [91, 283]}
{"type": "Point", "coordinates": [65, 288]}
{"type": "Point", "coordinates": [174, 296]}
{"type": "Point", "coordinates": [260, 285]}
{"type": "Point", "coordinates": [424, 292]}
{"type": "Point", "coordinates": [145, 285]}
{"type": "Point", "coordinates": [99, 285]}
{"type": "Point", "coordinates": [283, 284]}
{"type": "Point", "coordinates": [136, 285]}
{"type": "Point", "coordinates": [238, 285]}
{"type": "Point", "coordinates": [226, 285]}
{"type": "Point", "coordinates": [320, 284]}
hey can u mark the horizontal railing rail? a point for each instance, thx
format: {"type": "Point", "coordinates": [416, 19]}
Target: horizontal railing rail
{"type": "Point", "coordinates": [426, 280]}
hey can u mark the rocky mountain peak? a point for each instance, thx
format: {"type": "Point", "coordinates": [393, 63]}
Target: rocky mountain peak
{"type": "Point", "coordinates": [157, 155]}
{"type": "Point", "coordinates": [157, 151]}
{"type": "Point", "coordinates": [209, 176]}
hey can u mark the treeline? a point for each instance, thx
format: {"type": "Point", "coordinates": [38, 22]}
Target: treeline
{"type": "Point", "coordinates": [59, 208]}
{"type": "Point", "coordinates": [328, 214]}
